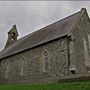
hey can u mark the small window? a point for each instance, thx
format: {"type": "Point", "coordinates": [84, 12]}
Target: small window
{"type": "Point", "coordinates": [13, 36]}
{"type": "Point", "coordinates": [89, 40]}
{"type": "Point", "coordinates": [22, 67]}
{"type": "Point", "coordinates": [7, 70]}
{"type": "Point", "coordinates": [86, 52]}
{"type": "Point", "coordinates": [46, 60]}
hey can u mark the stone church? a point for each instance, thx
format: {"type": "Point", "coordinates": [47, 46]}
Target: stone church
{"type": "Point", "coordinates": [54, 52]}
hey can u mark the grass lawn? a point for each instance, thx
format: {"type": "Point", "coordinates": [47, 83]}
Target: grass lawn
{"type": "Point", "coordinates": [53, 86]}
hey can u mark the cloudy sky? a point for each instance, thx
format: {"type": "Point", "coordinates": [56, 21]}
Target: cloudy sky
{"type": "Point", "coordinates": [30, 16]}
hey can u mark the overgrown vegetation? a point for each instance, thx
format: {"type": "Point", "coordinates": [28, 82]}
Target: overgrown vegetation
{"type": "Point", "coordinates": [53, 86]}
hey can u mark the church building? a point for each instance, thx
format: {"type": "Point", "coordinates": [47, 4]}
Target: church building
{"type": "Point", "coordinates": [57, 51]}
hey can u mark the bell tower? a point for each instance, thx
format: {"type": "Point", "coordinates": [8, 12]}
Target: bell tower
{"type": "Point", "coordinates": [12, 36]}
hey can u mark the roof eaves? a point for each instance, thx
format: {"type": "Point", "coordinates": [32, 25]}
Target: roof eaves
{"type": "Point", "coordinates": [65, 35]}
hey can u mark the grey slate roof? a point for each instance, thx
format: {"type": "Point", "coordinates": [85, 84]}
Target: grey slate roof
{"type": "Point", "coordinates": [48, 33]}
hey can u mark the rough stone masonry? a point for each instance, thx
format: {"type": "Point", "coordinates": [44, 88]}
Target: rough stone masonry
{"type": "Point", "coordinates": [58, 51]}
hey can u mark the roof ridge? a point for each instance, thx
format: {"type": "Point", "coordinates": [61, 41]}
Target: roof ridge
{"type": "Point", "coordinates": [47, 26]}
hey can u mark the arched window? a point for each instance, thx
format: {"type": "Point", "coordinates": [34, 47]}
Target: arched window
{"type": "Point", "coordinates": [7, 70]}
{"type": "Point", "coordinates": [13, 36]}
{"type": "Point", "coordinates": [22, 67]}
{"type": "Point", "coordinates": [71, 60]}
{"type": "Point", "coordinates": [46, 61]}
{"type": "Point", "coordinates": [86, 52]}
{"type": "Point", "coordinates": [89, 41]}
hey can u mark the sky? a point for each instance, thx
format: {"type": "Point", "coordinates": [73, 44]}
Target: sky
{"type": "Point", "coordinates": [30, 16]}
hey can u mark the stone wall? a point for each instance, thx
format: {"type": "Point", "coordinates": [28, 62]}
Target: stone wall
{"type": "Point", "coordinates": [80, 35]}
{"type": "Point", "coordinates": [29, 66]}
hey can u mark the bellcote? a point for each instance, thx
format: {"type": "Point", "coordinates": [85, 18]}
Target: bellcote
{"type": "Point", "coordinates": [12, 36]}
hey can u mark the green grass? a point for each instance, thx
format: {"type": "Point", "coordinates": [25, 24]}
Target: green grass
{"type": "Point", "coordinates": [52, 86]}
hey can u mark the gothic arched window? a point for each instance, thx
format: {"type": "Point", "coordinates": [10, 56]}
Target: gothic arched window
{"type": "Point", "coordinates": [7, 70]}
{"type": "Point", "coordinates": [13, 36]}
{"type": "Point", "coordinates": [86, 51]}
{"type": "Point", "coordinates": [89, 41]}
{"type": "Point", "coordinates": [22, 67]}
{"type": "Point", "coordinates": [46, 60]}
